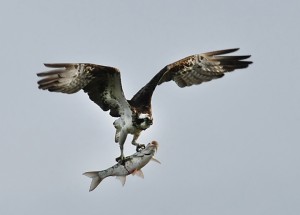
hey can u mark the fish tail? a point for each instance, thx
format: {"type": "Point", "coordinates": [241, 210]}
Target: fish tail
{"type": "Point", "coordinates": [96, 179]}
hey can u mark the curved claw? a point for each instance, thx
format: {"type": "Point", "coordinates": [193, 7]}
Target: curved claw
{"type": "Point", "coordinates": [123, 160]}
{"type": "Point", "coordinates": [140, 147]}
{"type": "Point", "coordinates": [120, 159]}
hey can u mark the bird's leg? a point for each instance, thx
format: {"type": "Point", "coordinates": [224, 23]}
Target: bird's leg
{"type": "Point", "coordinates": [139, 147]}
{"type": "Point", "coordinates": [122, 139]}
{"type": "Point", "coordinates": [118, 130]}
{"type": "Point", "coordinates": [117, 135]}
{"type": "Point", "coordinates": [121, 158]}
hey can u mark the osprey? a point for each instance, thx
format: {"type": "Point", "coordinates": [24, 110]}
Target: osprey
{"type": "Point", "coordinates": [103, 85]}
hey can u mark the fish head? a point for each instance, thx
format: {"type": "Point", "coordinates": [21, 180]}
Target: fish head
{"type": "Point", "coordinates": [152, 146]}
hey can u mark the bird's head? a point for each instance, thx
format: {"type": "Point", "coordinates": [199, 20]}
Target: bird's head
{"type": "Point", "coordinates": [144, 120]}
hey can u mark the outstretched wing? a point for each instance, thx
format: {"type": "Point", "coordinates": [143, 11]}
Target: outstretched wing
{"type": "Point", "coordinates": [101, 83]}
{"type": "Point", "coordinates": [199, 68]}
{"type": "Point", "coordinates": [192, 70]}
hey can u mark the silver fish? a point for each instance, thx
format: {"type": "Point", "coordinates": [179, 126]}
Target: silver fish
{"type": "Point", "coordinates": [132, 165]}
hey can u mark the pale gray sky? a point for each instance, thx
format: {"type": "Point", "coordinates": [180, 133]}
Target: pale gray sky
{"type": "Point", "coordinates": [227, 147]}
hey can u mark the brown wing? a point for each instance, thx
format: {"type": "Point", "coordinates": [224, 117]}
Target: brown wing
{"type": "Point", "coordinates": [199, 68]}
{"type": "Point", "coordinates": [192, 70]}
{"type": "Point", "coordinates": [102, 83]}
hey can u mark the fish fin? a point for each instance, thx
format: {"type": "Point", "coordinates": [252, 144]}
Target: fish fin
{"type": "Point", "coordinates": [96, 179]}
{"type": "Point", "coordinates": [155, 160]}
{"type": "Point", "coordinates": [122, 179]}
{"type": "Point", "coordinates": [139, 173]}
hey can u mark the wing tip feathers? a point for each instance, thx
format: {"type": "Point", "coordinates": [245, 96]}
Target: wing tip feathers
{"type": "Point", "coordinates": [223, 51]}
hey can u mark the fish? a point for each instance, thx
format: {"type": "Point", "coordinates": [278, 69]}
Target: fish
{"type": "Point", "coordinates": [131, 165]}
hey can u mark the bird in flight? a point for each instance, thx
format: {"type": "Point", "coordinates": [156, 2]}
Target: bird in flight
{"type": "Point", "coordinates": [103, 86]}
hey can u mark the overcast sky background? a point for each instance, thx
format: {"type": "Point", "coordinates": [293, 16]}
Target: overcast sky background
{"type": "Point", "coordinates": [227, 147]}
